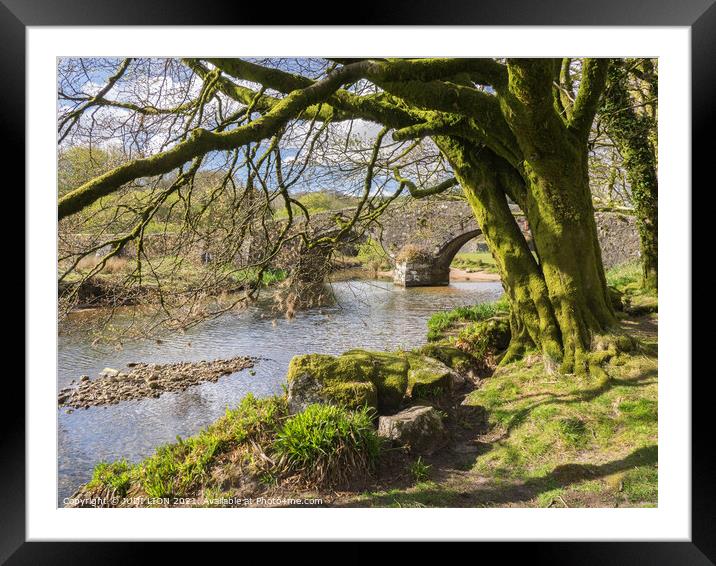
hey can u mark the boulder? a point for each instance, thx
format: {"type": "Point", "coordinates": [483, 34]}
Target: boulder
{"type": "Point", "coordinates": [381, 380]}
{"type": "Point", "coordinates": [428, 378]}
{"type": "Point", "coordinates": [388, 372]}
{"type": "Point", "coordinates": [453, 357]}
{"type": "Point", "coordinates": [485, 338]}
{"type": "Point", "coordinates": [420, 428]}
{"type": "Point", "coordinates": [338, 380]}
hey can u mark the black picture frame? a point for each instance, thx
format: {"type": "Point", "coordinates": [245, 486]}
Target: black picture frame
{"type": "Point", "coordinates": [699, 15]}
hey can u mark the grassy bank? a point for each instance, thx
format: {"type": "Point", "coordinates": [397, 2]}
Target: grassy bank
{"type": "Point", "coordinates": [549, 442]}
{"type": "Point", "coordinates": [245, 453]}
{"type": "Point", "coordinates": [118, 283]}
{"type": "Point", "coordinates": [449, 323]}
{"type": "Point", "coordinates": [553, 441]}
{"type": "Point", "coordinates": [517, 435]}
{"type": "Point", "coordinates": [475, 262]}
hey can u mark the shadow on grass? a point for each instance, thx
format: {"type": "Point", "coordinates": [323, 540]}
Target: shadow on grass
{"type": "Point", "coordinates": [562, 476]}
{"type": "Point", "coordinates": [519, 416]}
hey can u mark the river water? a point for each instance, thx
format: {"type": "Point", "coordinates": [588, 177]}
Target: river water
{"type": "Point", "coordinates": [367, 314]}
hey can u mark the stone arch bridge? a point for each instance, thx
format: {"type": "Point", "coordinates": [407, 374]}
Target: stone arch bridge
{"type": "Point", "coordinates": [423, 237]}
{"type": "Point", "coordinates": [436, 230]}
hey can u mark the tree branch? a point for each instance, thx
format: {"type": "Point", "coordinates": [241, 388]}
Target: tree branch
{"type": "Point", "coordinates": [415, 192]}
{"type": "Point", "coordinates": [202, 141]}
{"type": "Point", "coordinates": [74, 116]}
{"type": "Point", "coordinates": [594, 78]}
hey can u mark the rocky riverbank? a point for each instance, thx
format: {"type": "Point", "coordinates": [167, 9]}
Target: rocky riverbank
{"type": "Point", "coordinates": [141, 380]}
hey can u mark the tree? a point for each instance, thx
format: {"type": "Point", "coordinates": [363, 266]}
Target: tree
{"type": "Point", "coordinates": [629, 116]}
{"type": "Point", "coordinates": [509, 129]}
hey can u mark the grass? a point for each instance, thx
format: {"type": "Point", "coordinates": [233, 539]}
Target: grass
{"type": "Point", "coordinates": [624, 276]}
{"type": "Point", "coordinates": [113, 264]}
{"type": "Point", "coordinates": [419, 470]}
{"type": "Point", "coordinates": [176, 273]}
{"type": "Point", "coordinates": [475, 262]}
{"type": "Point", "coordinates": [441, 323]}
{"type": "Point", "coordinates": [320, 447]}
{"type": "Point", "coordinates": [114, 478]}
{"type": "Point", "coordinates": [557, 430]}
{"type": "Point", "coordinates": [556, 441]}
{"type": "Point", "coordinates": [184, 467]}
{"type": "Point", "coordinates": [552, 442]}
{"type": "Point", "coordinates": [627, 280]}
{"type": "Point", "coordinates": [413, 252]}
{"type": "Point", "coordinates": [327, 445]}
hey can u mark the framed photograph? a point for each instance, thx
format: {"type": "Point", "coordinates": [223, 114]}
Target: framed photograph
{"type": "Point", "coordinates": [295, 280]}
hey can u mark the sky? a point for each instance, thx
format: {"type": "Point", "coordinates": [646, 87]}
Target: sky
{"type": "Point", "coordinates": [165, 84]}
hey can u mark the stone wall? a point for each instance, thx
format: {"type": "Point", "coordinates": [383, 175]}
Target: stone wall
{"type": "Point", "coordinates": [618, 238]}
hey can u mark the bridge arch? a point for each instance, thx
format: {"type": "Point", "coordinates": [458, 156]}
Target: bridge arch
{"type": "Point", "coordinates": [445, 254]}
{"type": "Point", "coordinates": [431, 269]}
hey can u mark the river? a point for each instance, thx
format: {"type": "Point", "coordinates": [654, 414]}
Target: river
{"type": "Point", "coordinates": [367, 314]}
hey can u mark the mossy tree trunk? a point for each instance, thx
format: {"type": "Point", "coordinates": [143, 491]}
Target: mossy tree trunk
{"type": "Point", "coordinates": [559, 209]}
{"type": "Point", "coordinates": [482, 177]}
{"type": "Point", "coordinates": [559, 300]}
{"type": "Point", "coordinates": [634, 134]}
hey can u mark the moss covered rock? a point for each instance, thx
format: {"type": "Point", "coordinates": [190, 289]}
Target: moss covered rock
{"type": "Point", "coordinates": [389, 373]}
{"type": "Point", "coordinates": [638, 305]}
{"type": "Point", "coordinates": [336, 380]}
{"type": "Point", "coordinates": [486, 338]}
{"type": "Point", "coordinates": [381, 380]}
{"type": "Point", "coordinates": [450, 355]}
{"type": "Point", "coordinates": [428, 378]}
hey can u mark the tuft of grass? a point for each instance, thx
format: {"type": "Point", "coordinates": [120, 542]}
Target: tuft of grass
{"type": "Point", "coordinates": [640, 485]}
{"type": "Point", "coordinates": [624, 276]}
{"type": "Point", "coordinates": [572, 431]}
{"type": "Point", "coordinates": [112, 265]}
{"type": "Point", "coordinates": [441, 323]}
{"type": "Point", "coordinates": [327, 445]}
{"type": "Point", "coordinates": [419, 470]}
{"type": "Point", "coordinates": [413, 252]}
{"type": "Point", "coordinates": [273, 276]}
{"type": "Point", "coordinates": [112, 479]}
